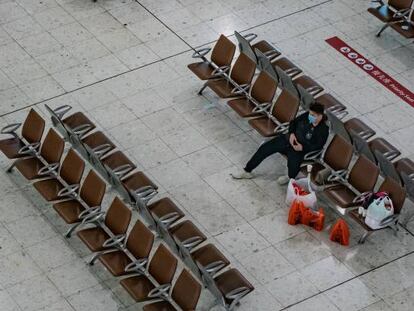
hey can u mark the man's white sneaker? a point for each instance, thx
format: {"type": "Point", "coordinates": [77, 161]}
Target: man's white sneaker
{"type": "Point", "coordinates": [242, 175]}
{"type": "Point", "coordinates": [283, 180]}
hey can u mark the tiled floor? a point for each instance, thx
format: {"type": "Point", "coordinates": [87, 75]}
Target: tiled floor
{"type": "Point", "coordinates": [123, 62]}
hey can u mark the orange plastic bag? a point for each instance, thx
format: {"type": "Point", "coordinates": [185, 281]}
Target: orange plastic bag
{"type": "Point", "coordinates": [319, 220]}
{"type": "Point", "coordinates": [295, 212]}
{"type": "Point", "coordinates": [340, 232]}
{"type": "Point", "coordinates": [313, 219]}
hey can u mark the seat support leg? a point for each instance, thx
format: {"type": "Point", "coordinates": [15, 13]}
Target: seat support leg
{"type": "Point", "coordinates": [382, 29]}
{"type": "Point", "coordinates": [71, 229]}
{"type": "Point", "coordinates": [363, 238]}
{"type": "Point", "coordinates": [200, 92]}
{"type": "Point", "coordinates": [9, 170]}
{"type": "Point", "coordinates": [91, 262]}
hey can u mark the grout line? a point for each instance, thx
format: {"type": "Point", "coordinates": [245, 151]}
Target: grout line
{"type": "Point", "coordinates": [355, 277]}
{"type": "Point", "coordinates": [162, 59]}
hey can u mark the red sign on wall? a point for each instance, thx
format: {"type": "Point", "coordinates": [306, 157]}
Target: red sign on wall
{"type": "Point", "coordinates": [379, 75]}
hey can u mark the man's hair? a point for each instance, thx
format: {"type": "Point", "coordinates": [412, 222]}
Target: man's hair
{"type": "Point", "coordinates": [317, 107]}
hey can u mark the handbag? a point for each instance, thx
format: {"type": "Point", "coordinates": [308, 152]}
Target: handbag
{"type": "Point", "coordinates": [380, 209]}
{"type": "Point", "coordinates": [300, 190]}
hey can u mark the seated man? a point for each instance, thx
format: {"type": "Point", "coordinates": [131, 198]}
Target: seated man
{"type": "Point", "coordinates": [308, 132]}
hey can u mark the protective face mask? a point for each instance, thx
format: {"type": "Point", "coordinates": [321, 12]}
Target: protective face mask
{"type": "Point", "coordinates": [312, 119]}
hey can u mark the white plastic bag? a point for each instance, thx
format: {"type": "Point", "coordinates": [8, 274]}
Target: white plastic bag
{"type": "Point", "coordinates": [378, 210]}
{"type": "Point", "coordinates": [309, 200]}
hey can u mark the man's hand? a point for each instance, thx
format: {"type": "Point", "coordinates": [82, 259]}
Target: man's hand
{"type": "Point", "coordinates": [297, 147]}
{"type": "Point", "coordinates": [292, 140]}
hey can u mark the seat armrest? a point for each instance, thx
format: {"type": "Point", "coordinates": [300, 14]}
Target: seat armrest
{"type": "Point", "coordinates": [80, 130]}
{"type": "Point", "coordinates": [169, 218]}
{"type": "Point", "coordinates": [137, 266]}
{"type": "Point", "coordinates": [219, 72]}
{"type": "Point", "coordinates": [62, 110]}
{"type": "Point", "coordinates": [11, 129]}
{"type": "Point", "coordinates": [390, 220]}
{"type": "Point", "coordinates": [160, 291]}
{"type": "Point", "coordinates": [362, 197]}
{"type": "Point", "coordinates": [338, 175]}
{"type": "Point", "coordinates": [313, 155]}
{"type": "Point", "coordinates": [238, 293]}
{"type": "Point", "coordinates": [93, 218]}
{"type": "Point", "coordinates": [293, 71]}
{"type": "Point", "coordinates": [201, 53]}
{"type": "Point", "coordinates": [99, 151]}
{"type": "Point", "coordinates": [121, 170]}
{"type": "Point", "coordinates": [114, 241]}
{"type": "Point", "coordinates": [215, 266]}
{"type": "Point", "coordinates": [250, 37]}
{"type": "Point", "coordinates": [314, 89]}
{"type": "Point", "coordinates": [70, 190]}
{"type": "Point", "coordinates": [50, 169]}
{"type": "Point", "coordinates": [271, 54]}
{"type": "Point", "coordinates": [241, 89]}
{"type": "Point", "coordinates": [263, 107]}
{"type": "Point", "coordinates": [192, 242]}
{"type": "Point", "coordinates": [281, 127]}
{"type": "Point", "coordinates": [30, 149]}
{"type": "Point", "coordinates": [391, 155]}
{"type": "Point", "coordinates": [90, 211]}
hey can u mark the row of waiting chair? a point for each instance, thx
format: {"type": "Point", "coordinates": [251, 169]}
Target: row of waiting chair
{"type": "Point", "coordinates": [79, 205]}
{"type": "Point", "coordinates": [397, 14]}
{"type": "Point", "coordinates": [352, 157]}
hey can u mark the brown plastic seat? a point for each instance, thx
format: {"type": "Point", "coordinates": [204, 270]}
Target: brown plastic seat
{"type": "Point", "coordinates": [266, 47]}
{"type": "Point", "coordinates": [405, 165]}
{"type": "Point", "coordinates": [165, 211]}
{"type": "Point", "coordinates": [405, 27]}
{"type": "Point", "coordinates": [263, 47]}
{"type": "Point", "coordinates": [363, 177]}
{"type": "Point", "coordinates": [118, 163]}
{"type": "Point", "coordinates": [287, 66]}
{"type": "Point", "coordinates": [241, 73]}
{"type": "Point", "coordinates": [79, 122]}
{"type": "Point", "coordinates": [283, 111]}
{"type": "Point", "coordinates": [51, 152]}
{"type": "Point", "coordinates": [221, 56]}
{"type": "Point", "coordinates": [397, 195]}
{"type": "Point", "coordinates": [337, 157]}
{"type": "Point", "coordinates": [117, 219]}
{"type": "Point", "coordinates": [309, 84]}
{"type": "Point", "coordinates": [187, 234]}
{"type": "Point", "coordinates": [98, 143]}
{"type": "Point", "coordinates": [92, 192]}
{"type": "Point", "coordinates": [330, 103]}
{"type": "Point", "coordinates": [384, 147]}
{"type": "Point", "coordinates": [233, 286]}
{"type": "Point", "coordinates": [138, 180]}
{"type": "Point", "coordinates": [32, 131]}
{"type": "Point", "coordinates": [139, 244]}
{"type": "Point", "coordinates": [210, 258]}
{"type": "Point", "coordinates": [359, 127]}
{"type": "Point", "coordinates": [386, 12]}
{"type": "Point", "coordinates": [185, 293]}
{"type": "Point", "coordinates": [71, 172]}
{"type": "Point", "coordinates": [262, 92]}
{"type": "Point", "coordinates": [162, 268]}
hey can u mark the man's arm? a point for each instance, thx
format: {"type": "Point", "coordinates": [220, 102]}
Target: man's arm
{"type": "Point", "coordinates": [319, 140]}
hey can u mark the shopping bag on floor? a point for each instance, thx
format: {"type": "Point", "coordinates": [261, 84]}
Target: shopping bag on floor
{"type": "Point", "coordinates": [300, 190]}
{"type": "Point", "coordinates": [295, 212]}
{"type": "Point", "coordinates": [319, 220]}
{"type": "Point", "coordinates": [340, 232]}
